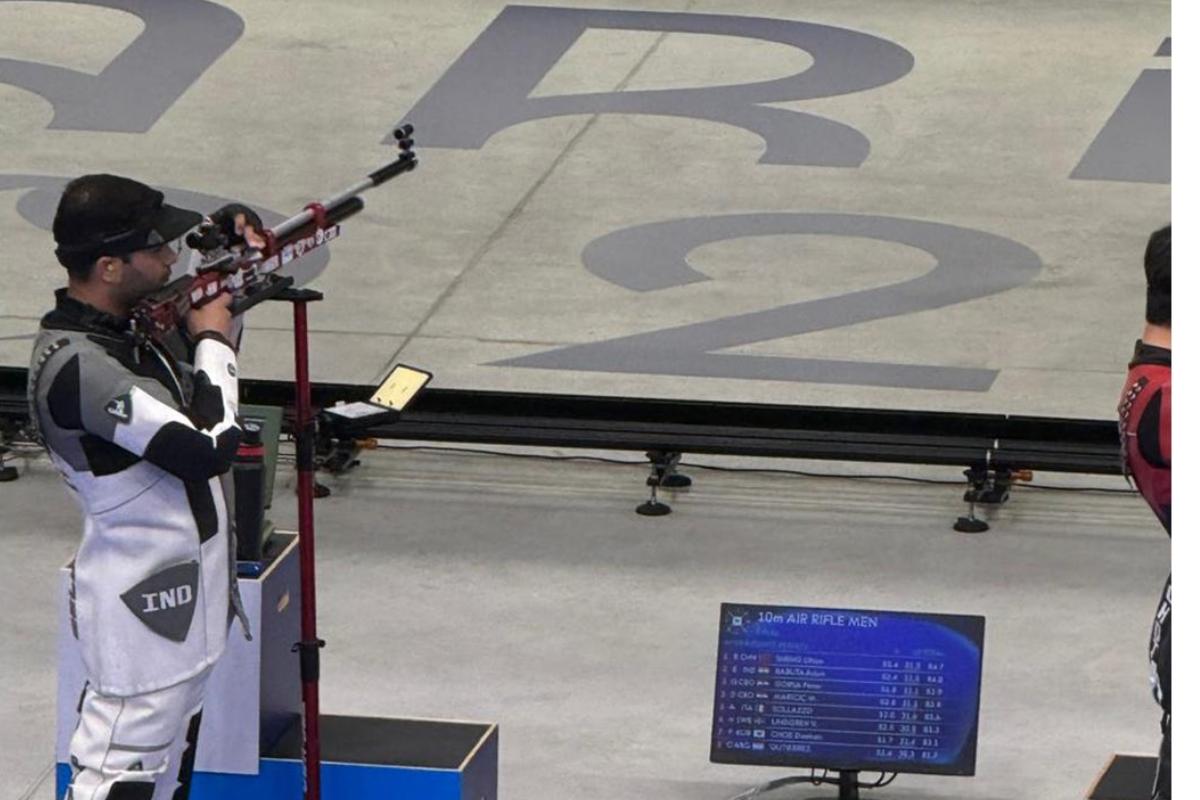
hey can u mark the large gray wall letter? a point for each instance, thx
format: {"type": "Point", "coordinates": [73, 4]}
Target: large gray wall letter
{"type": "Point", "coordinates": [487, 89]}
{"type": "Point", "coordinates": [1135, 143]}
{"type": "Point", "coordinates": [182, 39]}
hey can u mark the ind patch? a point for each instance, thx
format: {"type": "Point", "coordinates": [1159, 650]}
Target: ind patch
{"type": "Point", "coordinates": [166, 601]}
{"type": "Point", "coordinates": [121, 407]}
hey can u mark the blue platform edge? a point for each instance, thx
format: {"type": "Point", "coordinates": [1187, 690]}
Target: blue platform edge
{"type": "Point", "coordinates": [284, 778]}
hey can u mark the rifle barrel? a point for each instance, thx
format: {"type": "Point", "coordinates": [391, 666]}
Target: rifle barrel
{"type": "Point", "coordinates": [403, 164]}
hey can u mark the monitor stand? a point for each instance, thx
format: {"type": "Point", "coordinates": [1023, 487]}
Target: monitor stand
{"type": "Point", "coordinates": [848, 784]}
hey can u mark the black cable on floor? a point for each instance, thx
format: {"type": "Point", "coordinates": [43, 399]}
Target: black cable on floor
{"type": "Point", "coordinates": [757, 470]}
{"type": "Point", "coordinates": [882, 781]}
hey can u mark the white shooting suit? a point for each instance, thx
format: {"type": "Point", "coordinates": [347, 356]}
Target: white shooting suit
{"type": "Point", "coordinates": [140, 440]}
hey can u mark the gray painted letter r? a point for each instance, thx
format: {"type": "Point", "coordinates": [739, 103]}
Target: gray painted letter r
{"type": "Point", "coordinates": [487, 89]}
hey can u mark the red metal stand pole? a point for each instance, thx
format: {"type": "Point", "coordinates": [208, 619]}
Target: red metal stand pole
{"type": "Point", "coordinates": [309, 645]}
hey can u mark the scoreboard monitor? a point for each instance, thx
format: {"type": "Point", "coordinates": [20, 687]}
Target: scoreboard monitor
{"type": "Point", "coordinates": [844, 689]}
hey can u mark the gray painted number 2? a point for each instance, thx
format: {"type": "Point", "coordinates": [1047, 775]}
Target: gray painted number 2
{"type": "Point", "coordinates": [487, 89]}
{"type": "Point", "coordinates": [970, 264]}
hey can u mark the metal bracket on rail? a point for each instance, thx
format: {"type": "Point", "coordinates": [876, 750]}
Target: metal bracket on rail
{"type": "Point", "coordinates": [8, 433]}
{"type": "Point", "coordinates": [663, 472]}
{"type": "Point", "coordinates": [990, 486]}
{"type": "Point", "coordinates": [978, 480]}
{"type": "Point", "coordinates": [7, 473]}
{"type": "Point", "coordinates": [336, 455]}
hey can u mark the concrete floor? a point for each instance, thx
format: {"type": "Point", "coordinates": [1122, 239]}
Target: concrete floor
{"type": "Point", "coordinates": [478, 257]}
{"type": "Point", "coordinates": [528, 593]}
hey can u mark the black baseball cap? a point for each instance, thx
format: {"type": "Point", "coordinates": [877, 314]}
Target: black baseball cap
{"type": "Point", "coordinates": [107, 215]}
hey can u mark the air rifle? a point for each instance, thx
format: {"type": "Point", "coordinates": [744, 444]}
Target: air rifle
{"type": "Point", "coordinates": [251, 275]}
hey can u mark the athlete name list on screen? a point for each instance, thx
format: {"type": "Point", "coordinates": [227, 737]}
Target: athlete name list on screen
{"type": "Point", "coordinates": [880, 706]}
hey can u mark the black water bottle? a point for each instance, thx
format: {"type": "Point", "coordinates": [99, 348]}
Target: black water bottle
{"type": "Point", "coordinates": [248, 488]}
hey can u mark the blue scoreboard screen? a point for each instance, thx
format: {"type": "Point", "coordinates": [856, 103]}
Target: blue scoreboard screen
{"type": "Point", "coordinates": [851, 690]}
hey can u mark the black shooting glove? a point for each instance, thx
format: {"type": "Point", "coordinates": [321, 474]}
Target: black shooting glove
{"type": "Point", "coordinates": [225, 220]}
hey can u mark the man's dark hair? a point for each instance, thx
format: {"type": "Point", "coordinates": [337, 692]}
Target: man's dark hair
{"type": "Point", "coordinates": [1158, 277]}
{"type": "Point", "coordinates": [107, 215]}
{"type": "Point", "coordinates": [78, 203]}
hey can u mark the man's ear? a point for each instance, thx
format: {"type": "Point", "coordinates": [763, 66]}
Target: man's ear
{"type": "Point", "coordinates": [108, 269]}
